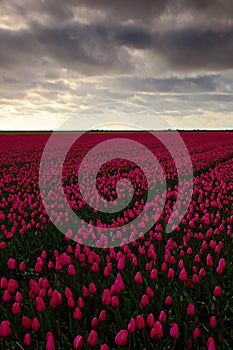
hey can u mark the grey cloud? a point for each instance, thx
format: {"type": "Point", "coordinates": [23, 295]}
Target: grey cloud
{"type": "Point", "coordinates": [167, 85]}
{"type": "Point", "coordinates": [185, 49]}
{"type": "Point", "coordinates": [93, 49]}
{"type": "Point", "coordinates": [86, 49]}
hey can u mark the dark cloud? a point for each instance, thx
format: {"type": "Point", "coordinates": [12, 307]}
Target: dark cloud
{"type": "Point", "coordinates": [184, 49]}
{"type": "Point", "coordinates": [94, 50]}
{"type": "Point", "coordinates": [89, 50]}
{"type": "Point", "coordinates": [86, 49]}
{"type": "Point", "coordinates": [194, 48]}
{"type": "Point", "coordinates": [167, 85]}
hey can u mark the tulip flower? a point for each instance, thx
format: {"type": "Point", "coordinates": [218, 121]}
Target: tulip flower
{"type": "Point", "coordinates": [217, 291]}
{"type": "Point", "coordinates": [168, 300]}
{"type": "Point", "coordinates": [5, 329]}
{"type": "Point", "coordinates": [157, 331]}
{"type": "Point", "coordinates": [196, 333]}
{"type": "Point", "coordinates": [150, 320]}
{"type": "Point", "coordinates": [121, 338]}
{"type": "Point", "coordinates": [138, 278]}
{"type": "Point", "coordinates": [78, 342]}
{"type": "Point", "coordinates": [35, 324]}
{"type": "Point", "coordinates": [106, 297]}
{"type": "Point", "coordinates": [174, 330]}
{"type": "Point", "coordinates": [92, 288]}
{"type": "Point", "coordinates": [11, 264]}
{"type": "Point", "coordinates": [183, 275]}
{"type": "Point", "coordinates": [162, 316]}
{"type": "Point", "coordinates": [92, 338]}
{"type": "Point", "coordinates": [40, 305]}
{"type": "Point", "coordinates": [213, 322]}
{"type": "Point", "coordinates": [50, 342]}
{"type": "Point", "coordinates": [190, 310]}
{"type": "Point", "coordinates": [26, 322]}
{"type": "Point", "coordinates": [16, 308]}
{"type": "Point", "coordinates": [27, 339]}
{"type": "Point", "coordinates": [211, 344]}
{"type": "Point", "coordinates": [140, 323]}
{"type": "Point", "coordinates": [102, 316]}
{"type": "Point", "coordinates": [131, 325]}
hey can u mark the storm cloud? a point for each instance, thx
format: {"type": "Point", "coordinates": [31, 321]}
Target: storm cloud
{"type": "Point", "coordinates": [77, 53]}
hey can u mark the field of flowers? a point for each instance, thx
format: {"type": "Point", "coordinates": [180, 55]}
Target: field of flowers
{"type": "Point", "coordinates": [162, 291]}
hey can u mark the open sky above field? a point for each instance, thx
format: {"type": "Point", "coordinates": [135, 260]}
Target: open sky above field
{"type": "Point", "coordinates": [59, 57]}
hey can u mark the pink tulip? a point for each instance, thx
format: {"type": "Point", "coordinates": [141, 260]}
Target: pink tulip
{"type": "Point", "coordinates": [27, 339]}
{"type": "Point", "coordinates": [157, 331]}
{"type": "Point", "coordinates": [92, 338]}
{"type": "Point", "coordinates": [121, 338]}
{"type": "Point", "coordinates": [78, 342]}
{"type": "Point", "coordinates": [174, 330]}
{"type": "Point", "coordinates": [131, 325]}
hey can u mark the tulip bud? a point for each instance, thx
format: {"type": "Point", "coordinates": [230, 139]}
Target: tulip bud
{"type": "Point", "coordinates": [92, 338]}
{"type": "Point", "coordinates": [174, 330]}
{"type": "Point", "coordinates": [78, 342]}
{"type": "Point", "coordinates": [121, 338]}
{"type": "Point", "coordinates": [157, 331]}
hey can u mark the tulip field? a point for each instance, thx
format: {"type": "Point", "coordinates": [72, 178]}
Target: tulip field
{"type": "Point", "coordinates": [163, 290]}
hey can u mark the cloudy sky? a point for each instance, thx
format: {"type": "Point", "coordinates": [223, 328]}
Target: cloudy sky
{"type": "Point", "coordinates": [60, 57]}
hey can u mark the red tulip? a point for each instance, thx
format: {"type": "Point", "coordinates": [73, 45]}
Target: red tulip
{"type": "Point", "coordinates": [144, 300]}
{"type": "Point", "coordinates": [71, 302]}
{"type": "Point", "coordinates": [16, 309]}
{"type": "Point", "coordinates": [50, 342]}
{"type": "Point", "coordinates": [5, 329]}
{"type": "Point", "coordinates": [78, 342]}
{"type": "Point", "coordinates": [140, 323]}
{"type": "Point", "coordinates": [92, 288]}
{"type": "Point", "coordinates": [35, 324]}
{"type": "Point", "coordinates": [27, 339]}
{"type": "Point", "coordinates": [138, 278]}
{"type": "Point", "coordinates": [150, 320]}
{"type": "Point", "coordinates": [106, 297]}
{"type": "Point", "coordinates": [121, 338]}
{"type": "Point", "coordinates": [26, 322]}
{"type": "Point", "coordinates": [174, 330]}
{"type": "Point", "coordinates": [102, 316]}
{"type": "Point", "coordinates": [40, 305]}
{"type": "Point", "coordinates": [217, 291]}
{"type": "Point", "coordinates": [77, 315]}
{"type": "Point", "coordinates": [170, 273]}
{"type": "Point", "coordinates": [168, 300]}
{"type": "Point", "coordinates": [22, 266]}
{"type": "Point", "coordinates": [150, 292]}
{"type": "Point", "coordinates": [211, 344]}
{"type": "Point", "coordinates": [81, 303]}
{"type": "Point", "coordinates": [183, 275]}
{"type": "Point", "coordinates": [131, 326]}
{"type": "Point", "coordinates": [213, 322]}
{"type": "Point", "coordinates": [3, 283]}
{"type": "Point", "coordinates": [71, 270]}
{"type": "Point", "coordinates": [6, 296]}
{"type": "Point", "coordinates": [92, 338]}
{"type": "Point", "coordinates": [196, 333]}
{"type": "Point", "coordinates": [156, 331]}
{"type": "Point", "coordinates": [115, 301]}
{"type": "Point", "coordinates": [11, 264]}
{"type": "Point", "coordinates": [202, 272]}
{"type": "Point", "coordinates": [94, 323]}
{"type": "Point", "coordinates": [162, 316]}
{"type": "Point", "coordinates": [209, 260]}
{"type": "Point", "coordinates": [190, 310]}
{"type": "Point", "coordinates": [153, 274]}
